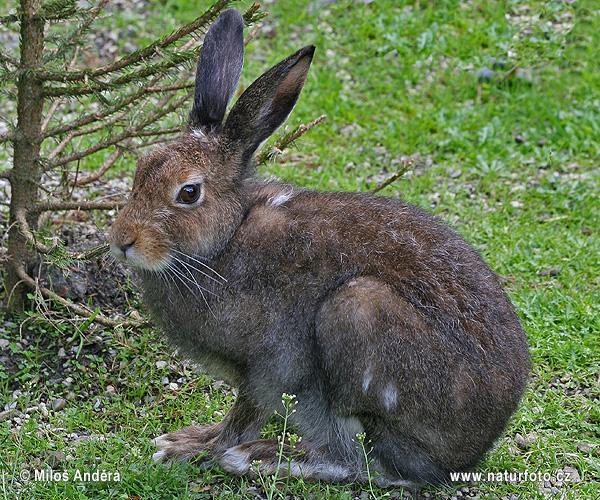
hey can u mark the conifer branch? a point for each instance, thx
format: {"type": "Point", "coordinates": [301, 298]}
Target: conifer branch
{"type": "Point", "coordinates": [56, 103]}
{"type": "Point", "coordinates": [116, 139]}
{"type": "Point", "coordinates": [58, 9]}
{"type": "Point", "coordinates": [9, 19]}
{"type": "Point", "coordinates": [93, 85]}
{"type": "Point", "coordinates": [138, 56]}
{"type": "Point", "coordinates": [5, 58]}
{"type": "Point", "coordinates": [125, 102]}
{"type": "Point", "coordinates": [7, 136]}
{"type": "Point", "coordinates": [99, 172]}
{"type": "Point", "coordinates": [52, 205]}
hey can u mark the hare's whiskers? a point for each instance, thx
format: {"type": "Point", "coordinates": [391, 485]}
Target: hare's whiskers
{"type": "Point", "coordinates": [176, 273]}
{"type": "Point", "coordinates": [202, 264]}
{"type": "Point", "coordinates": [164, 275]}
{"type": "Point", "coordinates": [187, 266]}
{"type": "Point", "coordinates": [181, 276]}
{"type": "Point", "coordinates": [189, 276]}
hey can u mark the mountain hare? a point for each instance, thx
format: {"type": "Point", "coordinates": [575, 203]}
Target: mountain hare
{"type": "Point", "coordinates": [378, 317]}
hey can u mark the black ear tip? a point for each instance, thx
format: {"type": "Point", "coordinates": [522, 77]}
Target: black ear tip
{"type": "Point", "coordinates": [230, 16]}
{"type": "Point", "coordinates": [308, 51]}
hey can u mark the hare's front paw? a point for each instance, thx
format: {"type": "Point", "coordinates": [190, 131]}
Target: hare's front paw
{"type": "Point", "coordinates": [186, 443]}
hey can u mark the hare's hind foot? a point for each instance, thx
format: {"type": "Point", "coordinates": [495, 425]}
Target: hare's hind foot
{"type": "Point", "coordinates": [186, 443]}
{"type": "Point", "coordinates": [266, 457]}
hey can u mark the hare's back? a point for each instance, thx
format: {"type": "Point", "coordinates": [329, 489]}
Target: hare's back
{"type": "Point", "coordinates": [311, 243]}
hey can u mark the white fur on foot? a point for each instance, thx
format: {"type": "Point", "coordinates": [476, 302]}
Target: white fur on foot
{"type": "Point", "coordinates": [158, 456]}
{"type": "Point", "coordinates": [161, 441]}
{"type": "Point", "coordinates": [235, 461]}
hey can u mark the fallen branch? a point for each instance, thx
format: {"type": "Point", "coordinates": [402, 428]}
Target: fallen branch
{"type": "Point", "coordinates": [85, 312]}
{"type": "Point", "coordinates": [395, 176]}
{"type": "Point", "coordinates": [286, 140]}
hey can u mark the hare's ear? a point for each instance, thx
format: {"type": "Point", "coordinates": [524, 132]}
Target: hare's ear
{"type": "Point", "coordinates": [267, 103]}
{"type": "Point", "coordinates": [219, 68]}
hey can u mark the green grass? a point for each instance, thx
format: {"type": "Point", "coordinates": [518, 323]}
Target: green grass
{"type": "Point", "coordinates": [513, 165]}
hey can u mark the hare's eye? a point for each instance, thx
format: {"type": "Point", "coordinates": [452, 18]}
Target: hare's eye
{"type": "Point", "coordinates": [189, 193]}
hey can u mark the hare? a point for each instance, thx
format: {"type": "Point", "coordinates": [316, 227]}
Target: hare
{"type": "Point", "coordinates": [378, 317]}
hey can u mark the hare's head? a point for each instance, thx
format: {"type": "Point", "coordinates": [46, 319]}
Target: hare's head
{"type": "Point", "coordinates": [190, 196]}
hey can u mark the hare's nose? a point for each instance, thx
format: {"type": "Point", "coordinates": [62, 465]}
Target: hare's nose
{"type": "Point", "coordinates": [126, 246]}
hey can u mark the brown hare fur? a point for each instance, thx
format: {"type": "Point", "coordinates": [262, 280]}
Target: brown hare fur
{"type": "Point", "coordinates": [376, 315]}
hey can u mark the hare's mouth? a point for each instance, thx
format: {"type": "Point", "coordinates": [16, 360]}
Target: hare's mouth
{"type": "Point", "coordinates": [130, 255]}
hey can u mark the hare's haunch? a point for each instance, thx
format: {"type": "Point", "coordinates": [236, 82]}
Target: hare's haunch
{"type": "Point", "coordinates": [377, 316]}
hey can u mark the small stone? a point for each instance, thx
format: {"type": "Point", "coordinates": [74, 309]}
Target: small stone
{"type": "Point", "coordinates": [62, 353]}
{"type": "Point", "coordinates": [571, 474]}
{"type": "Point", "coordinates": [519, 139]}
{"type": "Point", "coordinates": [58, 404]}
{"type": "Point", "coordinates": [111, 392]}
{"type": "Point", "coordinates": [554, 271]}
{"type": "Point", "coordinates": [43, 409]}
{"type": "Point", "coordinates": [541, 142]}
{"type": "Point", "coordinates": [521, 442]}
{"type": "Point", "coordinates": [585, 447]}
{"type": "Point", "coordinates": [161, 364]}
{"type": "Point", "coordinates": [54, 459]}
{"type": "Point", "coordinates": [4, 343]}
{"type": "Point", "coordinates": [173, 386]}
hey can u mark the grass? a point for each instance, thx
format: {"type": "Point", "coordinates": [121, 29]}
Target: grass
{"type": "Point", "coordinates": [512, 164]}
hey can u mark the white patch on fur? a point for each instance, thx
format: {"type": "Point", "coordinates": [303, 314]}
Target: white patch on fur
{"type": "Point", "coordinates": [235, 461]}
{"type": "Point", "coordinates": [280, 199]}
{"type": "Point", "coordinates": [196, 132]}
{"type": "Point", "coordinates": [353, 426]}
{"type": "Point", "coordinates": [161, 441]}
{"type": "Point", "coordinates": [158, 456]}
{"type": "Point", "coordinates": [331, 472]}
{"type": "Point", "coordinates": [368, 377]}
{"type": "Point", "coordinates": [389, 396]}
{"type": "Point", "coordinates": [293, 469]}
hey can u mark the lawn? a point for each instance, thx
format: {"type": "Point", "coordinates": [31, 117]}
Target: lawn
{"type": "Point", "coordinates": [494, 108]}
